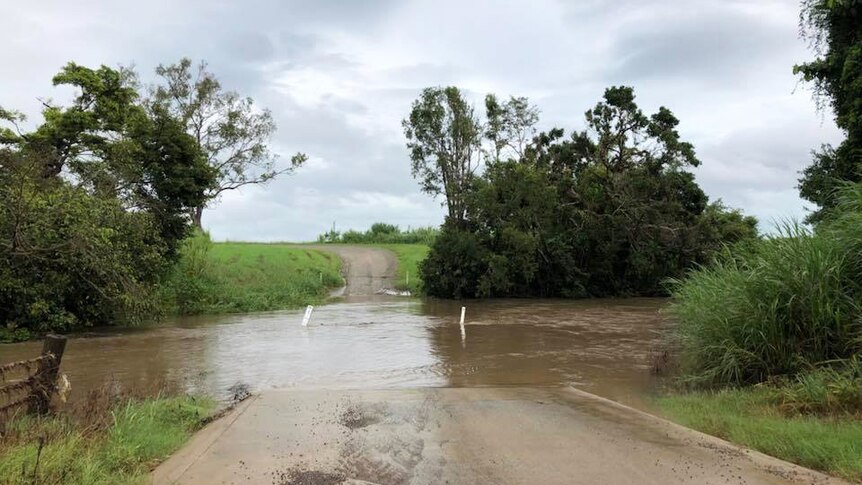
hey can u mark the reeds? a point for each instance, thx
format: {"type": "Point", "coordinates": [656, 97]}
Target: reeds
{"type": "Point", "coordinates": [784, 305]}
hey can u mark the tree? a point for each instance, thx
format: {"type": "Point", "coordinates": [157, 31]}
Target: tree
{"type": "Point", "coordinates": [448, 142]}
{"type": "Point", "coordinates": [834, 30]}
{"type": "Point", "coordinates": [93, 205]}
{"type": "Point", "coordinates": [610, 210]}
{"type": "Point", "coordinates": [109, 145]}
{"type": "Point", "coordinates": [510, 125]}
{"type": "Point", "coordinates": [444, 137]}
{"type": "Point", "coordinates": [230, 131]}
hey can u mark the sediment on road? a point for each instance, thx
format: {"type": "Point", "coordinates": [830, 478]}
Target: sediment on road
{"type": "Point", "coordinates": [448, 435]}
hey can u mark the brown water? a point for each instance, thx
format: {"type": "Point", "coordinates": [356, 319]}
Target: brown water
{"type": "Point", "coordinates": [601, 346]}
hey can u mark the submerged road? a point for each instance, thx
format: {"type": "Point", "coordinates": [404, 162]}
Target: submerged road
{"type": "Point", "coordinates": [512, 435]}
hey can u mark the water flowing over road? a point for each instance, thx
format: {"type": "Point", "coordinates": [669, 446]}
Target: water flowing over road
{"type": "Point", "coordinates": [385, 390]}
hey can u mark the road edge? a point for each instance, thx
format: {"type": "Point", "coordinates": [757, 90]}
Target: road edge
{"type": "Point", "coordinates": [767, 463]}
{"type": "Point", "coordinates": [175, 466]}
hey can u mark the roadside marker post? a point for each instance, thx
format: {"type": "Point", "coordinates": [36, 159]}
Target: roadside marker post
{"type": "Point", "coordinates": [307, 316]}
{"type": "Point", "coordinates": [463, 332]}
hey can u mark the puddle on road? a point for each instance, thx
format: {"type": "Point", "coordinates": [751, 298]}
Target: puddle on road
{"type": "Point", "coordinates": [601, 346]}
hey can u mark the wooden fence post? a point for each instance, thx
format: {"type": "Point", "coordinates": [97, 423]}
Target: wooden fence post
{"type": "Point", "coordinates": [46, 373]}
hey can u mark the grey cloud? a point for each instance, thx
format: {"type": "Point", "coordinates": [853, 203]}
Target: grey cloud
{"type": "Point", "coordinates": [758, 169]}
{"type": "Point", "coordinates": [340, 76]}
{"type": "Point", "coordinates": [248, 46]}
{"type": "Point", "coordinates": [713, 47]}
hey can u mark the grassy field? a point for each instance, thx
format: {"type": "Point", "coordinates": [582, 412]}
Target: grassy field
{"type": "Point", "coordinates": [246, 277]}
{"type": "Point", "coordinates": [409, 256]}
{"type": "Point", "coordinates": [751, 417]}
{"type": "Point", "coordinates": [119, 444]}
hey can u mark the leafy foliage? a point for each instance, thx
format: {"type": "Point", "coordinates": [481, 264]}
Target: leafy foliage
{"type": "Point", "coordinates": [780, 306]}
{"type": "Point", "coordinates": [608, 211]}
{"type": "Point", "coordinates": [229, 130]}
{"type": "Point", "coordinates": [382, 233]}
{"type": "Point", "coordinates": [443, 136]}
{"type": "Point", "coordinates": [94, 205]}
{"type": "Point", "coordinates": [834, 29]}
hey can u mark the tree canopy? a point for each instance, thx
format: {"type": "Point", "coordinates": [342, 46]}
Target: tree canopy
{"type": "Point", "coordinates": [834, 30]}
{"type": "Point", "coordinates": [230, 131]}
{"type": "Point", "coordinates": [95, 202]}
{"type": "Point", "coordinates": [610, 210]}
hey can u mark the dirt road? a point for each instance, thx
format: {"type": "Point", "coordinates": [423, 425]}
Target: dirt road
{"type": "Point", "coordinates": [367, 270]}
{"type": "Point", "coordinates": [470, 436]}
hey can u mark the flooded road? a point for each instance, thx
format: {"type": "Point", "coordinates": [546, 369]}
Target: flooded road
{"type": "Point", "coordinates": [601, 346]}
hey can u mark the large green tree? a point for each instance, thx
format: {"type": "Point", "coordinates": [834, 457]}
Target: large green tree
{"type": "Point", "coordinates": [94, 204]}
{"type": "Point", "coordinates": [230, 131]}
{"type": "Point", "coordinates": [834, 29]}
{"type": "Point", "coordinates": [610, 210]}
{"type": "Point", "coordinates": [444, 137]}
{"type": "Point", "coordinates": [449, 142]}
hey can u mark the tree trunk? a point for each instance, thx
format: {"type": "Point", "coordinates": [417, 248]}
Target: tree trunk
{"type": "Point", "coordinates": [197, 213]}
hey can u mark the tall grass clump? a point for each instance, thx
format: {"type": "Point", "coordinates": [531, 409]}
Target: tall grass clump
{"type": "Point", "coordinates": [783, 305]}
{"type": "Point", "coordinates": [191, 283]}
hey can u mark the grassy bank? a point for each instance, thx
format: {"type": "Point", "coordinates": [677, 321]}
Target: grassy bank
{"type": "Point", "coordinates": [769, 337]}
{"type": "Point", "coordinates": [248, 277]}
{"type": "Point", "coordinates": [119, 443]}
{"type": "Point", "coordinates": [776, 307]}
{"type": "Point", "coordinates": [409, 256]}
{"type": "Point", "coordinates": [752, 417]}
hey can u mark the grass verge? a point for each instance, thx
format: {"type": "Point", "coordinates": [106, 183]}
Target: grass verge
{"type": "Point", "coordinates": [409, 256]}
{"type": "Point", "coordinates": [752, 417]}
{"type": "Point", "coordinates": [248, 277]}
{"type": "Point", "coordinates": [120, 444]}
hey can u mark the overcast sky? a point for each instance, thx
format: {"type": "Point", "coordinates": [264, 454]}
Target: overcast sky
{"type": "Point", "coordinates": [340, 75]}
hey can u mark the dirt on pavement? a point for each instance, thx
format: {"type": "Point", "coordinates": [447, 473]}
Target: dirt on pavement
{"type": "Point", "coordinates": [448, 435]}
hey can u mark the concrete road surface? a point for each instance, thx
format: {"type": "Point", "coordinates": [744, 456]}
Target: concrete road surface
{"type": "Point", "coordinates": [470, 436]}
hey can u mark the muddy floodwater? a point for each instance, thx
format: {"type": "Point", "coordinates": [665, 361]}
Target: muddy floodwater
{"type": "Point", "coordinates": [602, 346]}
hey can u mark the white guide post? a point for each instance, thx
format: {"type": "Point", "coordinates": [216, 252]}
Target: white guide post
{"type": "Point", "coordinates": [463, 332]}
{"type": "Point", "coordinates": [307, 316]}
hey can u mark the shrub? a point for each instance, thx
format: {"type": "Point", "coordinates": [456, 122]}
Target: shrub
{"type": "Point", "coordinates": [187, 289]}
{"type": "Point", "coordinates": [382, 233]}
{"type": "Point", "coordinates": [454, 266]}
{"type": "Point", "coordinates": [781, 306]}
{"type": "Point", "coordinates": [827, 391]}
{"type": "Point", "coordinates": [74, 259]}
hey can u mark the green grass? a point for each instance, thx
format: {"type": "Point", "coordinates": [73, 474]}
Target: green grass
{"type": "Point", "coordinates": [247, 277]}
{"type": "Point", "coordinates": [409, 256]}
{"type": "Point", "coordinates": [750, 417]}
{"type": "Point", "coordinates": [137, 435]}
{"type": "Point", "coordinates": [775, 307]}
